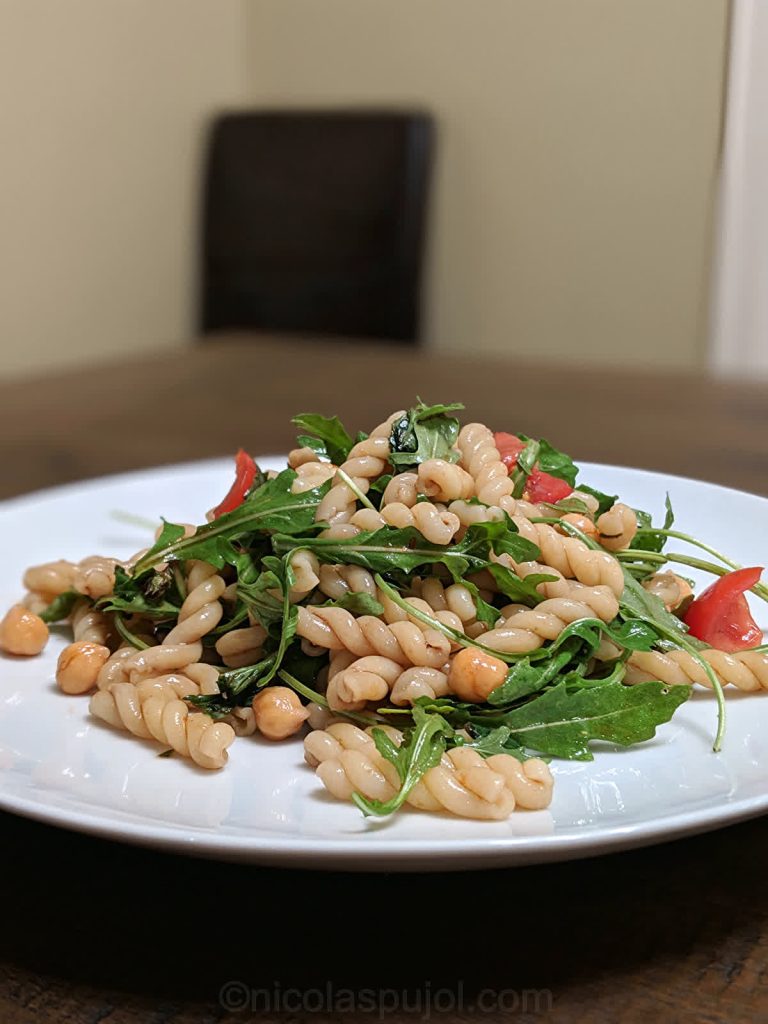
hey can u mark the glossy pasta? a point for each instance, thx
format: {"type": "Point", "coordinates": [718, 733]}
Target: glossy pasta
{"type": "Point", "coordinates": [432, 606]}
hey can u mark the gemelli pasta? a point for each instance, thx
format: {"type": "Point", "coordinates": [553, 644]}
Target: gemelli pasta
{"type": "Point", "coordinates": [436, 608]}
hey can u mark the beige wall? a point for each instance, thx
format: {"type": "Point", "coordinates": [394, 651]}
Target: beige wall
{"type": "Point", "coordinates": [577, 150]}
{"type": "Point", "coordinates": [578, 142]}
{"type": "Point", "coordinates": [103, 103]}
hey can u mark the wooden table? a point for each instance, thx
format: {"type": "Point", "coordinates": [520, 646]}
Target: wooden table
{"type": "Point", "coordinates": [94, 931]}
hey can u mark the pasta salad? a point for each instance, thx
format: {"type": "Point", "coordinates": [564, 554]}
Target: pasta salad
{"type": "Point", "coordinates": [439, 609]}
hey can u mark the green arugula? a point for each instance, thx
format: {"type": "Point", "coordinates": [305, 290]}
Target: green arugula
{"type": "Point", "coordinates": [520, 590]}
{"type": "Point", "coordinates": [271, 507]}
{"type": "Point", "coordinates": [562, 722]}
{"type": "Point", "coordinates": [259, 597]}
{"type": "Point", "coordinates": [325, 435]}
{"type": "Point", "coordinates": [61, 606]}
{"type": "Point", "coordinates": [128, 635]}
{"type": "Point", "coordinates": [422, 747]}
{"type": "Point", "coordinates": [490, 740]}
{"type": "Point", "coordinates": [550, 460]}
{"type": "Point", "coordinates": [647, 539]}
{"type": "Point", "coordinates": [604, 501]}
{"type": "Point", "coordinates": [144, 594]}
{"type": "Point", "coordinates": [525, 678]}
{"type": "Point", "coordinates": [524, 466]}
{"type": "Point", "coordinates": [358, 604]}
{"type": "Point", "coordinates": [425, 432]}
{"type": "Point", "coordinates": [390, 549]}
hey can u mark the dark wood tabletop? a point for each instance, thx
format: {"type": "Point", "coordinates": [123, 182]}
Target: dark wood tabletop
{"type": "Point", "coordinates": [95, 931]}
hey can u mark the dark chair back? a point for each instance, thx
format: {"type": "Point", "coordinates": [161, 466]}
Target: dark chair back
{"type": "Point", "coordinates": [314, 221]}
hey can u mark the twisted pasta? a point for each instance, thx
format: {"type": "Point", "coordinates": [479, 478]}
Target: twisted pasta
{"type": "Point", "coordinates": [90, 624]}
{"type": "Point", "coordinates": [95, 576]}
{"type": "Point", "coordinates": [455, 598]}
{"type": "Point", "coordinates": [310, 475]}
{"type": "Point", "coordinates": [159, 660]}
{"type": "Point", "coordinates": [50, 579]}
{"type": "Point", "coordinates": [463, 783]}
{"type": "Point", "coordinates": [403, 488]}
{"type": "Point", "coordinates": [368, 678]}
{"type": "Point", "coordinates": [481, 458]}
{"type": "Point", "coordinates": [571, 557]}
{"type": "Point", "coordinates": [436, 524]}
{"type": "Point", "coordinates": [336, 628]}
{"type": "Point", "coordinates": [241, 647]}
{"type": "Point", "coordinates": [201, 610]}
{"type": "Point", "coordinates": [305, 567]}
{"type": "Point", "coordinates": [301, 456]}
{"type": "Point", "coordinates": [617, 527]}
{"type": "Point", "coordinates": [166, 719]}
{"type": "Point", "coordinates": [746, 670]}
{"type": "Point", "coordinates": [419, 681]}
{"type": "Point", "coordinates": [444, 481]}
{"type": "Point", "coordinates": [367, 460]}
{"type": "Point", "coordinates": [670, 588]}
{"type": "Point", "coordinates": [338, 580]}
{"type": "Point", "coordinates": [526, 629]}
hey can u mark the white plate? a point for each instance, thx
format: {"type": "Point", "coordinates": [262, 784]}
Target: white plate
{"type": "Point", "coordinates": [58, 765]}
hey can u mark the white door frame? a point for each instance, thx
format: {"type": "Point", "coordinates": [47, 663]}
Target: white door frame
{"type": "Point", "coordinates": [739, 323]}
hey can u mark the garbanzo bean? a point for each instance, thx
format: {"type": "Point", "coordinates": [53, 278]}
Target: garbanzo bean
{"type": "Point", "coordinates": [279, 713]}
{"type": "Point", "coordinates": [23, 632]}
{"type": "Point", "coordinates": [474, 674]}
{"type": "Point", "coordinates": [79, 666]}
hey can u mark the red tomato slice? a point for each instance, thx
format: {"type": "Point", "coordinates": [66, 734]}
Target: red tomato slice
{"type": "Point", "coordinates": [509, 447]}
{"type": "Point", "coordinates": [245, 474]}
{"type": "Point", "coordinates": [542, 486]}
{"type": "Point", "coordinates": [720, 616]}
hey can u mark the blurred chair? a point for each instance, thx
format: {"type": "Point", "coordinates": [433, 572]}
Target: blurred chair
{"type": "Point", "coordinates": [314, 221]}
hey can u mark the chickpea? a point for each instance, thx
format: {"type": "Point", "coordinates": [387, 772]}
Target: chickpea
{"type": "Point", "coordinates": [79, 666]}
{"type": "Point", "coordinates": [474, 674]}
{"type": "Point", "coordinates": [22, 632]}
{"type": "Point", "coordinates": [279, 713]}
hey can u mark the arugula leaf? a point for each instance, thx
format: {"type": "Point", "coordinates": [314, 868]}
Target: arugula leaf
{"type": "Point", "coordinates": [526, 461]}
{"type": "Point", "coordinates": [571, 504]}
{"type": "Point", "coordinates": [520, 590]}
{"type": "Point", "coordinates": [290, 618]}
{"type": "Point", "coordinates": [425, 432]}
{"type": "Point", "coordinates": [238, 685]}
{"type": "Point", "coordinates": [377, 488]}
{"type": "Point", "coordinates": [489, 740]}
{"type": "Point", "coordinates": [256, 596]}
{"type": "Point", "coordinates": [217, 705]}
{"type": "Point", "coordinates": [271, 507]}
{"type": "Point", "coordinates": [632, 634]}
{"type": "Point", "coordinates": [563, 723]}
{"type": "Point", "coordinates": [128, 635]}
{"type": "Point", "coordinates": [390, 549]}
{"type": "Point", "coordinates": [326, 436]}
{"type": "Point", "coordinates": [653, 541]}
{"type": "Point", "coordinates": [557, 463]}
{"type": "Point", "coordinates": [61, 606]}
{"type": "Point", "coordinates": [358, 604]}
{"type": "Point", "coordinates": [143, 594]}
{"type": "Point", "coordinates": [605, 501]}
{"type": "Point", "coordinates": [484, 612]}
{"type": "Point", "coordinates": [421, 749]}
{"type": "Point", "coordinates": [551, 460]}
{"type": "Point", "coordinates": [638, 603]}
{"type": "Point", "coordinates": [524, 678]}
